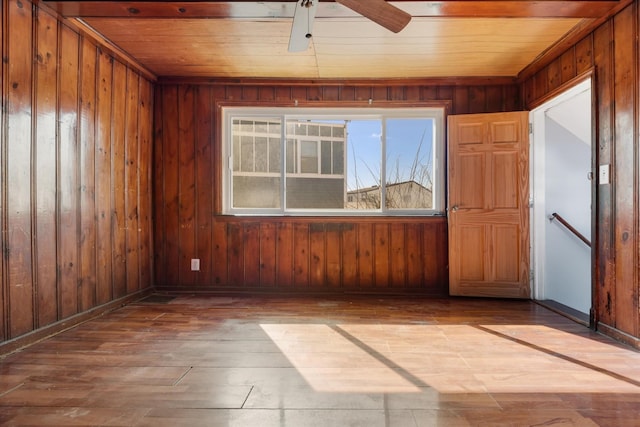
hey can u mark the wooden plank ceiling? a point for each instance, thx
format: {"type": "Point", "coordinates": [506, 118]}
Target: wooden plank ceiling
{"type": "Point", "coordinates": [243, 39]}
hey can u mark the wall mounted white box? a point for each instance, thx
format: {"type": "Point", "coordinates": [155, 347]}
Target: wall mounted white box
{"type": "Point", "coordinates": [195, 264]}
{"type": "Point", "coordinates": [603, 175]}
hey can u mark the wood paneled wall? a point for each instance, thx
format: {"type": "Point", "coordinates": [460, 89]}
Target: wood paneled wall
{"type": "Point", "coordinates": [612, 51]}
{"type": "Point", "coordinates": [75, 157]}
{"type": "Point", "coordinates": [288, 254]}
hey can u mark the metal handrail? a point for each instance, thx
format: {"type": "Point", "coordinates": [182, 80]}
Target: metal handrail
{"type": "Point", "coordinates": [569, 227]}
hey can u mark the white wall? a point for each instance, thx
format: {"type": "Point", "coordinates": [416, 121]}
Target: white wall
{"type": "Point", "coordinates": [567, 192]}
{"type": "Point", "coordinates": [561, 161]}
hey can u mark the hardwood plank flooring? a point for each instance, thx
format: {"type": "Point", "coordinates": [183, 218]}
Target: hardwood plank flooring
{"type": "Point", "coordinates": [351, 361]}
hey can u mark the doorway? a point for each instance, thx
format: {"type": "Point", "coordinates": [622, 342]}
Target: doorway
{"type": "Point", "coordinates": [561, 176]}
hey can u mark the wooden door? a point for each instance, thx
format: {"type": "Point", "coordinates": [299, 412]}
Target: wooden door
{"type": "Point", "coordinates": [489, 205]}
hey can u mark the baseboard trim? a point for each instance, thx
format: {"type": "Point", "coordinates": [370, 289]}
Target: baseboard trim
{"type": "Point", "coordinates": [618, 335]}
{"type": "Point", "coordinates": [31, 338]}
{"type": "Point", "coordinates": [565, 311]}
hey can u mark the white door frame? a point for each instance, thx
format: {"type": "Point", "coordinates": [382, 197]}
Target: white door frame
{"type": "Point", "coordinates": [537, 179]}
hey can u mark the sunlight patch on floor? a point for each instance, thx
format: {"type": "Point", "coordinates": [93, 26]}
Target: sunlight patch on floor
{"type": "Point", "coordinates": [401, 358]}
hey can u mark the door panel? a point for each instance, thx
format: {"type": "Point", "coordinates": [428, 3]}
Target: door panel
{"type": "Point", "coordinates": [471, 172]}
{"type": "Point", "coordinates": [505, 180]}
{"type": "Point", "coordinates": [472, 269]}
{"type": "Point", "coordinates": [489, 205]}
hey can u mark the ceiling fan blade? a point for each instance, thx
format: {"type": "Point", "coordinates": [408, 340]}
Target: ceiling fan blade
{"type": "Point", "coordinates": [303, 18]}
{"type": "Point", "coordinates": [380, 12]}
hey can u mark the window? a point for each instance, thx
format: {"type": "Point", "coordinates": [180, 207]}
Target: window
{"type": "Point", "coordinates": [333, 161]}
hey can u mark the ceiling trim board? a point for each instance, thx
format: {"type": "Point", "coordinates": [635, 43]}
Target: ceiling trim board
{"type": "Point", "coordinates": [330, 9]}
{"type": "Point", "coordinates": [433, 81]}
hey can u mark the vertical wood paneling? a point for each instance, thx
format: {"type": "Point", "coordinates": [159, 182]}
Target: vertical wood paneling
{"type": "Point", "coordinates": [168, 272]}
{"type": "Point", "coordinates": [317, 256]}
{"type": "Point", "coordinates": [511, 99]}
{"type": "Point", "coordinates": [603, 60]}
{"type": "Point", "coordinates": [118, 214]}
{"type": "Point", "coordinates": [380, 93]}
{"type": "Point", "coordinates": [204, 183]}
{"type": "Point", "coordinates": [251, 254]}
{"type": "Point", "coordinates": [266, 94]}
{"type": "Point", "coordinates": [104, 275]}
{"type": "Point", "coordinates": [18, 166]}
{"type": "Point", "coordinates": [267, 255]}
{"type": "Point", "coordinates": [363, 93]}
{"type": "Point", "coordinates": [477, 99]}
{"type": "Point", "coordinates": [249, 93]}
{"type": "Point", "coordinates": [159, 178]}
{"type": "Point", "coordinates": [625, 171]}
{"type": "Point", "coordinates": [68, 172]}
{"type": "Point", "coordinates": [461, 100]}
{"type": "Point", "coordinates": [349, 259]}
{"type": "Point", "coordinates": [131, 173]}
{"type": "Point", "coordinates": [584, 54]}
{"type": "Point", "coordinates": [331, 93]}
{"type": "Point", "coordinates": [301, 258]}
{"type": "Point", "coordinates": [58, 122]}
{"type": "Point", "coordinates": [348, 93]}
{"type": "Point", "coordinates": [46, 83]}
{"type": "Point", "coordinates": [3, 177]}
{"type": "Point", "coordinates": [413, 247]}
{"type": "Point", "coordinates": [187, 231]}
{"type": "Point", "coordinates": [554, 75]}
{"type": "Point", "coordinates": [144, 165]}
{"type": "Point", "coordinates": [284, 255]}
{"type": "Point", "coordinates": [235, 257]}
{"type": "Point", "coordinates": [314, 255]}
{"type": "Point", "coordinates": [567, 66]}
{"type": "Point", "coordinates": [613, 51]}
{"type": "Point", "coordinates": [398, 256]}
{"type": "Point", "coordinates": [365, 256]}
{"type": "Point", "coordinates": [220, 251]}
{"type": "Point", "coordinates": [283, 93]}
{"type": "Point", "coordinates": [494, 98]}
{"type": "Point", "coordinates": [333, 255]}
{"type": "Point", "coordinates": [87, 283]}
{"type": "Point", "coordinates": [381, 255]}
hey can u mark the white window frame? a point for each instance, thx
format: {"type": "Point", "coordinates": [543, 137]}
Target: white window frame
{"type": "Point", "coordinates": [328, 113]}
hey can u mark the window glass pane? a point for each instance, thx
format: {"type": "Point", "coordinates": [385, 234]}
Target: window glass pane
{"type": "Point", "coordinates": [253, 182]}
{"type": "Point", "coordinates": [274, 155]}
{"type": "Point", "coordinates": [292, 156]}
{"type": "Point", "coordinates": [246, 126]}
{"type": "Point", "coordinates": [325, 157]}
{"type": "Point", "coordinates": [261, 127]}
{"type": "Point", "coordinates": [246, 153]}
{"type": "Point", "coordinates": [274, 128]}
{"type": "Point", "coordinates": [334, 162]}
{"type": "Point", "coordinates": [409, 163]}
{"type": "Point", "coordinates": [308, 157]}
{"type": "Point", "coordinates": [338, 157]}
{"type": "Point", "coordinates": [305, 192]}
{"type": "Point", "coordinates": [261, 154]}
{"type": "Point", "coordinates": [236, 152]}
{"type": "Point", "coordinates": [300, 129]}
{"type": "Point", "coordinates": [325, 131]}
{"type": "Point", "coordinates": [256, 192]}
{"type": "Point", "coordinates": [364, 157]}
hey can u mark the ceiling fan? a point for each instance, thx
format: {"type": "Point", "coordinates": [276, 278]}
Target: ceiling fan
{"type": "Point", "coordinates": [378, 11]}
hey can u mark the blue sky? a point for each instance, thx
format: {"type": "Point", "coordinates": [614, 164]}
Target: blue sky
{"type": "Point", "coordinates": [405, 138]}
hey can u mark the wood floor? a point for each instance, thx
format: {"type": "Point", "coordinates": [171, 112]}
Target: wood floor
{"type": "Point", "coordinates": [223, 361]}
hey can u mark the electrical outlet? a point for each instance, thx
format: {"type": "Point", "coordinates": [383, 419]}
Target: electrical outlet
{"type": "Point", "coordinates": [195, 264]}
